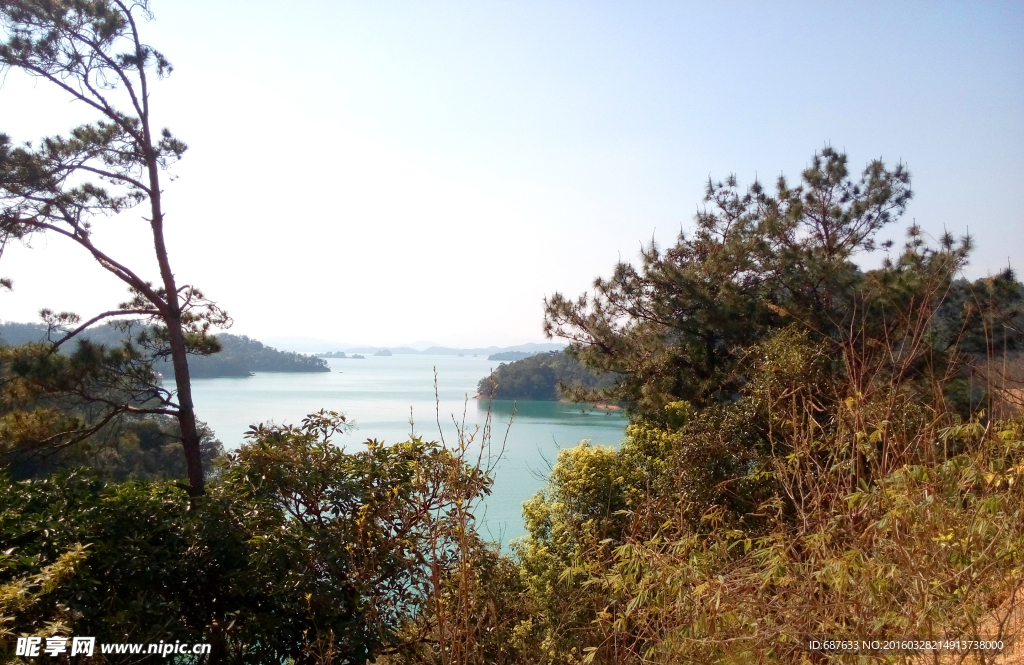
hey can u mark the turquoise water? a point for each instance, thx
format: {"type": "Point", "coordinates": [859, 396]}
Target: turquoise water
{"type": "Point", "coordinates": [377, 394]}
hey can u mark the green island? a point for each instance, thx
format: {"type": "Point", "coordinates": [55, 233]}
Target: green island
{"type": "Point", "coordinates": [818, 446]}
{"type": "Point", "coordinates": [547, 376]}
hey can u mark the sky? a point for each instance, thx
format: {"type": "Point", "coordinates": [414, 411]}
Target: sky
{"type": "Point", "coordinates": [395, 172]}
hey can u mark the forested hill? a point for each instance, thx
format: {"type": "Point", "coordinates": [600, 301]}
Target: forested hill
{"type": "Point", "coordinates": [538, 377]}
{"type": "Point", "coordinates": [239, 355]}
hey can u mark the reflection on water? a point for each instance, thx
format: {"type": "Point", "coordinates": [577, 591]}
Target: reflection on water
{"type": "Point", "coordinates": [378, 394]}
{"type": "Point", "coordinates": [584, 414]}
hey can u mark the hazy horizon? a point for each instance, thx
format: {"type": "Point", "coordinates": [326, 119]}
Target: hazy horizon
{"type": "Point", "coordinates": [306, 344]}
{"type": "Point", "coordinates": [310, 344]}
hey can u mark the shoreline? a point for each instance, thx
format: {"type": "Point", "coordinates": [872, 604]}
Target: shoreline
{"type": "Point", "coordinates": [604, 406]}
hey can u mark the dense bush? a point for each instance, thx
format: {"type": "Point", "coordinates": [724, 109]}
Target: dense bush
{"type": "Point", "coordinates": [693, 544]}
{"type": "Point", "coordinates": [56, 412]}
{"type": "Point", "coordinates": [299, 552]}
{"type": "Point", "coordinates": [142, 448]}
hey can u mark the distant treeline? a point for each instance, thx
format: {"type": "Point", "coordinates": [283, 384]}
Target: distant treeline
{"type": "Point", "coordinates": [340, 354]}
{"type": "Point", "coordinates": [511, 355]}
{"type": "Point", "coordinates": [542, 377]}
{"type": "Point", "coordinates": [239, 355]}
{"type": "Point", "coordinates": [322, 348]}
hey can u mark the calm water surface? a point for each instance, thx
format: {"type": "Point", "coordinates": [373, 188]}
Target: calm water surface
{"type": "Point", "coordinates": [377, 394]}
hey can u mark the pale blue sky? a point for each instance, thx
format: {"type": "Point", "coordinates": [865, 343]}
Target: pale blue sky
{"type": "Point", "coordinates": [383, 172]}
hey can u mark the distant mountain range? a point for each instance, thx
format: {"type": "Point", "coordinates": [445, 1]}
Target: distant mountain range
{"type": "Point", "coordinates": [242, 355]}
{"type": "Point", "coordinates": [315, 345]}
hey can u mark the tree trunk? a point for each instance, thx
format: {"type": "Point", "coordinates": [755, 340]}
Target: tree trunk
{"type": "Point", "coordinates": [186, 412]}
{"type": "Point", "coordinates": [172, 318]}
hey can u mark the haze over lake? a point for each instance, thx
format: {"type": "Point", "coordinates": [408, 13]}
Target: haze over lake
{"type": "Point", "coordinates": [376, 394]}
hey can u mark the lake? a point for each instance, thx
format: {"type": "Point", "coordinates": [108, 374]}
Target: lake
{"type": "Point", "coordinates": [380, 393]}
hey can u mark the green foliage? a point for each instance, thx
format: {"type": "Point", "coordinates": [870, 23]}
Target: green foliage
{"type": "Point", "coordinates": [373, 526]}
{"type": "Point", "coordinates": [545, 376]}
{"type": "Point", "coordinates": [19, 595]}
{"type": "Point", "coordinates": [988, 314]}
{"type": "Point", "coordinates": [133, 448]}
{"type": "Point", "coordinates": [299, 552]}
{"type": "Point", "coordinates": [148, 560]}
{"type": "Point", "coordinates": [677, 327]}
{"type": "Point", "coordinates": [480, 613]}
{"type": "Point", "coordinates": [927, 550]}
{"type": "Point", "coordinates": [737, 530]}
{"type": "Point", "coordinates": [101, 403]}
{"type": "Point", "coordinates": [51, 401]}
{"type": "Point", "coordinates": [96, 406]}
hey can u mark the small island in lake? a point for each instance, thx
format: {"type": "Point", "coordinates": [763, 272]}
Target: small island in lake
{"type": "Point", "coordinates": [383, 352]}
{"type": "Point", "coordinates": [542, 377]}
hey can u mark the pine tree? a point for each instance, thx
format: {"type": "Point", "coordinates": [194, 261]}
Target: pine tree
{"type": "Point", "coordinates": [92, 51]}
